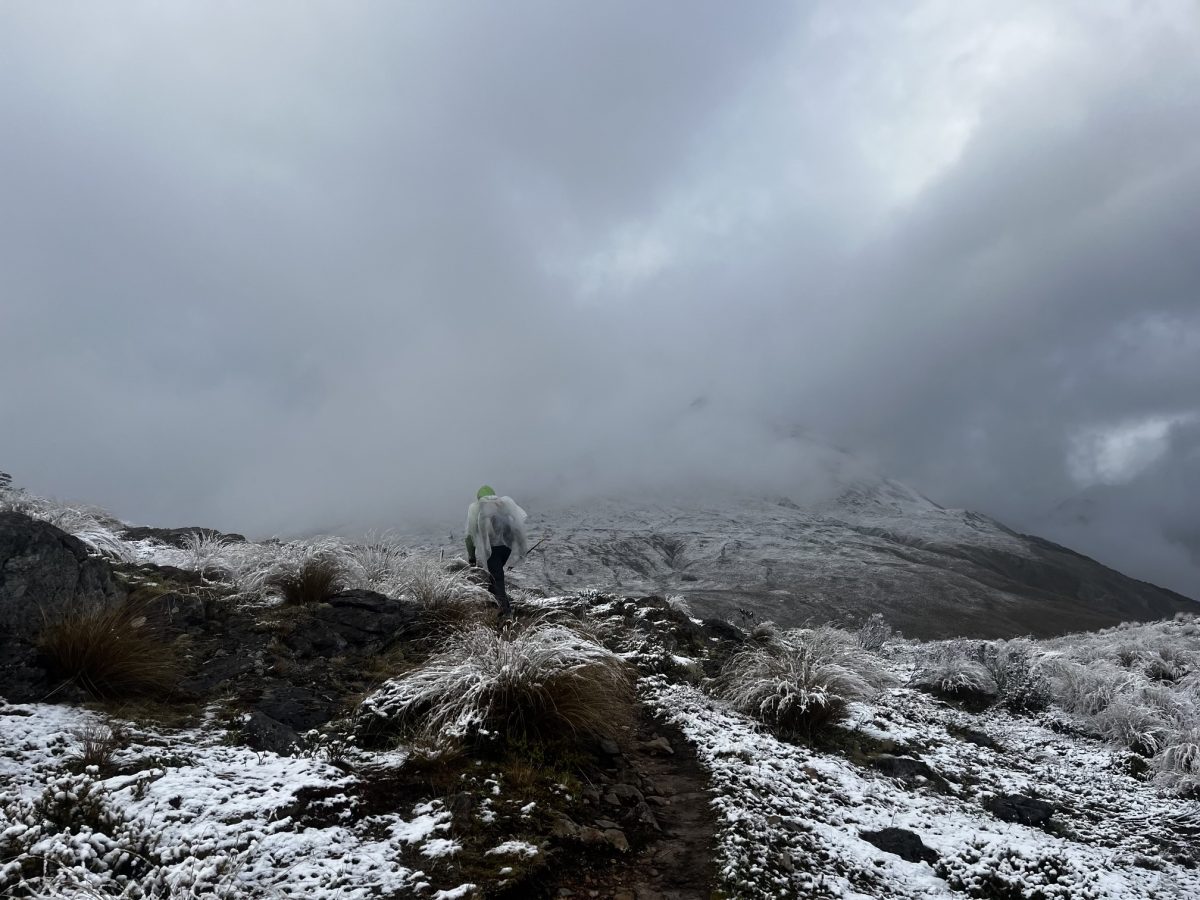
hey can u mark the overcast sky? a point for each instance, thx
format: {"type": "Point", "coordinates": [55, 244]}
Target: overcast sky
{"type": "Point", "coordinates": [275, 266]}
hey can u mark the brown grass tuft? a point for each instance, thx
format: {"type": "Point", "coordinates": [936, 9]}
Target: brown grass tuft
{"type": "Point", "coordinates": [113, 651]}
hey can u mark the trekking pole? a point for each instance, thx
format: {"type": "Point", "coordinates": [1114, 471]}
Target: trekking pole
{"type": "Point", "coordinates": [531, 549]}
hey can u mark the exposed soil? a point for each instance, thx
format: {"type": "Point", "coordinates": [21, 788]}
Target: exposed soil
{"type": "Point", "coordinates": [674, 862]}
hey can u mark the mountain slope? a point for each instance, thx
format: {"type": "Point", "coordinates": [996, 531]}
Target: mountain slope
{"type": "Point", "coordinates": [878, 547]}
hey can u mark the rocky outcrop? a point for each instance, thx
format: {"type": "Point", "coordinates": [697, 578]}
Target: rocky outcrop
{"type": "Point", "coordinates": [176, 537]}
{"type": "Point", "coordinates": [43, 571]}
{"type": "Point", "coordinates": [902, 842]}
{"type": "Point", "coordinates": [1021, 809]}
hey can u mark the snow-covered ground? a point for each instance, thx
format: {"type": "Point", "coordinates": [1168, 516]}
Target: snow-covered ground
{"type": "Point", "coordinates": [207, 816]}
{"type": "Point", "coordinates": [792, 815]}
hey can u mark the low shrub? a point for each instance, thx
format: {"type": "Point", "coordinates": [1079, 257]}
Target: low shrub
{"type": "Point", "coordinates": [73, 842]}
{"type": "Point", "coordinates": [1009, 873]}
{"type": "Point", "coordinates": [112, 650]}
{"type": "Point", "coordinates": [874, 633]}
{"type": "Point", "coordinates": [536, 680]}
{"type": "Point", "coordinates": [799, 682]}
{"type": "Point", "coordinates": [1020, 682]}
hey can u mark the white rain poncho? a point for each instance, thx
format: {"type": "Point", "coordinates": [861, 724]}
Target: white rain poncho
{"type": "Point", "coordinates": [497, 522]}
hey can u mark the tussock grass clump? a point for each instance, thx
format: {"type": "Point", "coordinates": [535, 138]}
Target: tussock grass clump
{"type": "Point", "coordinates": [98, 745]}
{"type": "Point", "coordinates": [450, 600]}
{"type": "Point", "coordinates": [112, 650]}
{"type": "Point", "coordinates": [380, 562]}
{"type": "Point", "coordinates": [955, 671]}
{"type": "Point", "coordinates": [208, 554]}
{"type": "Point", "coordinates": [1177, 766]}
{"type": "Point", "coordinates": [309, 573]}
{"type": "Point", "coordinates": [530, 681]}
{"type": "Point", "coordinates": [800, 682]}
{"type": "Point", "coordinates": [874, 633]}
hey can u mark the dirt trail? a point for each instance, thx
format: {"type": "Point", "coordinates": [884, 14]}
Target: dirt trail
{"type": "Point", "coordinates": [674, 861]}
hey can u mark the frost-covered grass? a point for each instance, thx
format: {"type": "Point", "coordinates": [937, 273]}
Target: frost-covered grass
{"type": "Point", "coordinates": [450, 599]}
{"type": "Point", "coordinates": [791, 816]}
{"type": "Point", "coordinates": [93, 526]}
{"type": "Point", "coordinates": [800, 681]}
{"type": "Point", "coordinates": [535, 679]}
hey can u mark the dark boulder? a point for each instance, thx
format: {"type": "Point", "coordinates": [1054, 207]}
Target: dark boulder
{"type": "Point", "coordinates": [261, 732]}
{"type": "Point", "coordinates": [363, 621]}
{"type": "Point", "coordinates": [1021, 809]}
{"type": "Point", "coordinates": [901, 842]}
{"type": "Point", "coordinates": [910, 771]}
{"type": "Point", "coordinates": [43, 572]}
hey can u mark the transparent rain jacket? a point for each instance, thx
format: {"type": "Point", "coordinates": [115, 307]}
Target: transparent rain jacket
{"type": "Point", "coordinates": [497, 522]}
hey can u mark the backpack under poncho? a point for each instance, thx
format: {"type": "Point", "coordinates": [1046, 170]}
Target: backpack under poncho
{"type": "Point", "coordinates": [497, 522]}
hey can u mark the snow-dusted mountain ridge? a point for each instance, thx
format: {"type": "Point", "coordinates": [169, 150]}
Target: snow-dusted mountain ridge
{"type": "Point", "coordinates": [877, 546]}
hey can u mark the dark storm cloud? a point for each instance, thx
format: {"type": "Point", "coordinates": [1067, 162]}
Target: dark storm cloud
{"type": "Point", "coordinates": [283, 270]}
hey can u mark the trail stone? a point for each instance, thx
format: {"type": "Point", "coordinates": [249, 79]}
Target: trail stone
{"type": "Point", "coordinates": [1021, 809]}
{"type": "Point", "coordinates": [910, 770]}
{"type": "Point", "coordinates": [616, 839]}
{"type": "Point", "coordinates": [901, 842]}
{"type": "Point", "coordinates": [659, 744]}
{"type": "Point", "coordinates": [261, 732]}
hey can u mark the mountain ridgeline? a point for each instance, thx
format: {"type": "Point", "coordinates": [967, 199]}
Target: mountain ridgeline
{"type": "Point", "coordinates": [878, 547]}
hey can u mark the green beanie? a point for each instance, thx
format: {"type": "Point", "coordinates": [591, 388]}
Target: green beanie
{"type": "Point", "coordinates": [484, 491]}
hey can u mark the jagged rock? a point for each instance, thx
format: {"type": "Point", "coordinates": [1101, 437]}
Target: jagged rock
{"type": "Point", "coordinates": [261, 732]}
{"type": "Point", "coordinates": [901, 842]}
{"type": "Point", "coordinates": [176, 537]}
{"type": "Point", "coordinates": [43, 572]}
{"type": "Point", "coordinates": [910, 770]}
{"type": "Point", "coordinates": [1021, 809]}
{"type": "Point", "coordinates": [643, 815]}
{"type": "Point", "coordinates": [609, 746]}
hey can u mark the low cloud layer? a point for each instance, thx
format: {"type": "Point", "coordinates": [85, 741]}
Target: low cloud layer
{"type": "Point", "coordinates": [280, 270]}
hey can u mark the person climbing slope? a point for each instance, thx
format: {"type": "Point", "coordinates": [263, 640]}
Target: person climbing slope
{"type": "Point", "coordinates": [496, 534]}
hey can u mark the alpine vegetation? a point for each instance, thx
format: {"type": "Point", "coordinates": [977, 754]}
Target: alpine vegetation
{"type": "Point", "coordinates": [539, 680]}
{"type": "Point", "coordinates": [800, 681]}
{"type": "Point", "coordinates": [955, 670]}
{"type": "Point", "coordinates": [112, 650]}
{"type": "Point", "coordinates": [306, 573]}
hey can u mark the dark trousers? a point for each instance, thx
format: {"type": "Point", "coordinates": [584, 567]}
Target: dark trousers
{"type": "Point", "coordinates": [495, 566]}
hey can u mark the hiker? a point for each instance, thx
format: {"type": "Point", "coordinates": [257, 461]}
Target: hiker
{"type": "Point", "coordinates": [496, 533]}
